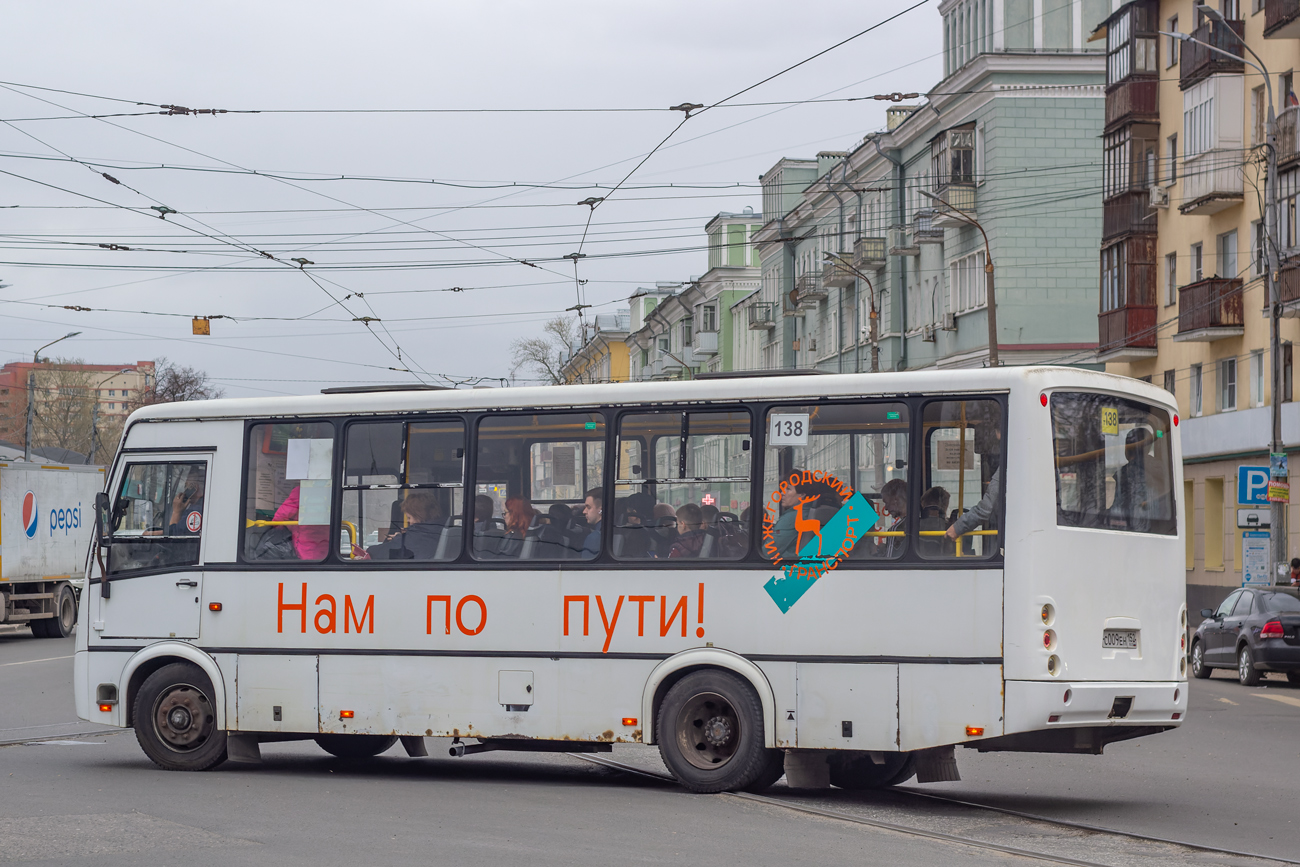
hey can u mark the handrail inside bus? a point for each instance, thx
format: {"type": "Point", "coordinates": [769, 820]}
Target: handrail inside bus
{"type": "Point", "coordinates": [347, 525]}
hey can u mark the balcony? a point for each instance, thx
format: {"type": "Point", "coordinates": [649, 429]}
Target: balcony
{"type": "Point", "coordinates": [924, 231]}
{"type": "Point", "coordinates": [1133, 99]}
{"type": "Point", "coordinates": [762, 316]}
{"type": "Point", "coordinates": [1281, 19]}
{"type": "Point", "coordinates": [1128, 214]}
{"type": "Point", "coordinates": [1127, 333]}
{"type": "Point", "coordinates": [809, 290]}
{"type": "Point", "coordinates": [869, 254]}
{"type": "Point", "coordinates": [961, 196]}
{"type": "Point", "coordinates": [1288, 146]}
{"type": "Point", "coordinates": [706, 342]}
{"type": "Point", "coordinates": [1197, 62]}
{"type": "Point", "coordinates": [1288, 279]}
{"type": "Point", "coordinates": [1212, 182]}
{"type": "Point", "coordinates": [900, 242]}
{"type": "Point", "coordinates": [837, 274]}
{"type": "Point", "coordinates": [1209, 310]}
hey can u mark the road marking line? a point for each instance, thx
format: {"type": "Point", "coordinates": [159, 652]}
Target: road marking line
{"type": "Point", "coordinates": [1227, 701]}
{"type": "Point", "coordinates": [30, 661]}
{"type": "Point", "coordinates": [1285, 699]}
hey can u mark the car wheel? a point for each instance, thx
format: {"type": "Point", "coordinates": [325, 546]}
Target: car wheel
{"type": "Point", "coordinates": [860, 772]}
{"type": "Point", "coordinates": [1293, 677]}
{"type": "Point", "coordinates": [355, 746]}
{"type": "Point", "coordinates": [1247, 673]}
{"type": "Point", "coordinates": [711, 733]}
{"type": "Point", "coordinates": [175, 719]}
{"type": "Point", "coordinates": [1199, 668]}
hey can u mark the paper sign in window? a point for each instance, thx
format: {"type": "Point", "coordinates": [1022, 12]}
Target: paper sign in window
{"type": "Point", "coordinates": [1110, 421]}
{"type": "Point", "coordinates": [787, 429]}
{"type": "Point", "coordinates": [949, 450]}
{"type": "Point", "coordinates": [314, 501]}
{"type": "Point", "coordinates": [309, 459]}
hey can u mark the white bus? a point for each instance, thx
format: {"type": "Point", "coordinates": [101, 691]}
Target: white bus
{"type": "Point", "coordinates": [847, 575]}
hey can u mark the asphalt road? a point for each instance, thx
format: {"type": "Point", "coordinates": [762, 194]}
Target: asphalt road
{"type": "Point", "coordinates": [1228, 778]}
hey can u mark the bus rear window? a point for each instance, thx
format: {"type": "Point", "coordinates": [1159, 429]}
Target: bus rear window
{"type": "Point", "coordinates": [1114, 464]}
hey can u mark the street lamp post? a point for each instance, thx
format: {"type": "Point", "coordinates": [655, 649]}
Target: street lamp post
{"type": "Point", "coordinates": [1276, 449]}
{"type": "Point", "coordinates": [988, 274]}
{"type": "Point", "coordinates": [31, 394]}
{"type": "Point", "coordinates": [873, 317]}
{"type": "Point", "coordinates": [94, 413]}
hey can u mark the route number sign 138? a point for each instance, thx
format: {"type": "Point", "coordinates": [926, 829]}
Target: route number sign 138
{"type": "Point", "coordinates": [787, 429]}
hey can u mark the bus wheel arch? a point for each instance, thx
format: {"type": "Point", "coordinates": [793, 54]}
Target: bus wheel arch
{"type": "Point", "coordinates": [154, 657]}
{"type": "Point", "coordinates": [674, 668]}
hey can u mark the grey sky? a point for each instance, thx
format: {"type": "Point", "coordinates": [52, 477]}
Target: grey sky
{"type": "Point", "coordinates": [327, 55]}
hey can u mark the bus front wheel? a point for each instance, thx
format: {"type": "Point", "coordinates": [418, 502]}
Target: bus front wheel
{"type": "Point", "coordinates": [355, 746]}
{"type": "Point", "coordinates": [711, 733]}
{"type": "Point", "coordinates": [175, 719]}
{"type": "Point", "coordinates": [858, 771]}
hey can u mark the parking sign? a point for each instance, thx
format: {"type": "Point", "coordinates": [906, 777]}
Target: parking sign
{"type": "Point", "coordinates": [1252, 486]}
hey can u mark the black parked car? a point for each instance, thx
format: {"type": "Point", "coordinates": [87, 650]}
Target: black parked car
{"type": "Point", "coordinates": [1254, 630]}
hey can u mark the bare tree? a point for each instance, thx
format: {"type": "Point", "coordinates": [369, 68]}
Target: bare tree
{"type": "Point", "coordinates": [63, 406]}
{"type": "Point", "coordinates": [173, 383]}
{"type": "Point", "coordinates": [546, 355]}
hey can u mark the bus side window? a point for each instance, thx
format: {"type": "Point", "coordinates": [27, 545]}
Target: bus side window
{"type": "Point", "coordinates": [539, 489]}
{"type": "Point", "coordinates": [403, 489]}
{"type": "Point", "coordinates": [290, 490]}
{"type": "Point", "coordinates": [157, 519]}
{"type": "Point", "coordinates": [963, 480]}
{"type": "Point", "coordinates": [816, 455]}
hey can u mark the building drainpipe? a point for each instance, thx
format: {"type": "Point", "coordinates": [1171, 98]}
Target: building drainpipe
{"type": "Point", "coordinates": [839, 296]}
{"type": "Point", "coordinates": [900, 276]}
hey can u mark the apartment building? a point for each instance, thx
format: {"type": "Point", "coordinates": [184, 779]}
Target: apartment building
{"type": "Point", "coordinates": [1184, 300]}
{"type": "Point", "coordinates": [71, 388]}
{"type": "Point", "coordinates": [602, 355]}
{"type": "Point", "coordinates": [1010, 137]}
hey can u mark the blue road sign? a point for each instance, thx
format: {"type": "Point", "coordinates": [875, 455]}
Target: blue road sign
{"type": "Point", "coordinates": [1252, 486]}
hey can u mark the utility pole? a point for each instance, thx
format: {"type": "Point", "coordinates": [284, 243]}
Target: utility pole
{"type": "Point", "coordinates": [31, 395]}
{"type": "Point", "coordinates": [988, 274]}
{"type": "Point", "coordinates": [1276, 448]}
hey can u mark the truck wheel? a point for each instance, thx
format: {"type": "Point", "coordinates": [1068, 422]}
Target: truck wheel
{"type": "Point", "coordinates": [175, 719]}
{"type": "Point", "coordinates": [355, 746]}
{"type": "Point", "coordinates": [65, 615]}
{"type": "Point", "coordinates": [711, 733]}
{"type": "Point", "coordinates": [860, 772]}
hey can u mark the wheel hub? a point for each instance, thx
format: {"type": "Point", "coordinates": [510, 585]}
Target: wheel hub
{"type": "Point", "coordinates": [184, 717]}
{"type": "Point", "coordinates": [718, 731]}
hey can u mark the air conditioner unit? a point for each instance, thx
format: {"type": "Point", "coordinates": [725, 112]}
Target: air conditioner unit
{"type": "Point", "coordinates": [950, 322]}
{"type": "Point", "coordinates": [794, 344]}
{"type": "Point", "coordinates": [812, 344]}
{"type": "Point", "coordinates": [928, 334]}
{"type": "Point", "coordinates": [1159, 197]}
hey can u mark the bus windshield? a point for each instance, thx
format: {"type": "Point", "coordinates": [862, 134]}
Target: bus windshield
{"type": "Point", "coordinates": [1114, 467]}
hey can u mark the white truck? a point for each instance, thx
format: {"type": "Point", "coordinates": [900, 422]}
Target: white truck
{"type": "Point", "coordinates": [47, 519]}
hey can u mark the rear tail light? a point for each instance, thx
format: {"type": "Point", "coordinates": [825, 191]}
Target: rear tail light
{"type": "Point", "coordinates": [1272, 629]}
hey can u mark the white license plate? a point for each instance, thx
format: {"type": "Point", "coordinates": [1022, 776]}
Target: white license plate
{"type": "Point", "coordinates": [1121, 638]}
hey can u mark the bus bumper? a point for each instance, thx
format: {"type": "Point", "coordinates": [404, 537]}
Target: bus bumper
{"type": "Point", "coordinates": [1036, 705]}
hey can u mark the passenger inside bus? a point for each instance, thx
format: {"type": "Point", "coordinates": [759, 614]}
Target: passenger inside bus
{"type": "Point", "coordinates": [521, 528]}
{"type": "Point", "coordinates": [419, 539]}
{"type": "Point", "coordinates": [593, 510]}
{"type": "Point", "coordinates": [310, 541]}
{"type": "Point", "coordinates": [934, 519]}
{"type": "Point", "coordinates": [894, 497]}
{"type": "Point", "coordinates": [691, 536]}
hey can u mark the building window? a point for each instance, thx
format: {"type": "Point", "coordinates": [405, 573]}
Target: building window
{"type": "Point", "coordinates": [688, 325]}
{"type": "Point", "coordinates": [1172, 27]}
{"type": "Point", "coordinates": [1129, 160]}
{"type": "Point", "coordinates": [1171, 157]}
{"type": "Point", "coordinates": [1227, 251]}
{"type": "Point", "coordinates": [1169, 382]}
{"type": "Point", "coordinates": [1287, 377]}
{"type": "Point", "coordinates": [1285, 88]}
{"type": "Point", "coordinates": [1228, 384]}
{"type": "Point", "coordinates": [1126, 51]}
{"type": "Point", "coordinates": [124, 392]}
{"type": "Point", "coordinates": [1258, 111]}
{"type": "Point", "coordinates": [111, 393]}
{"type": "Point", "coordinates": [1257, 254]}
{"type": "Point", "coordinates": [1171, 279]}
{"type": "Point", "coordinates": [1256, 6]}
{"type": "Point", "coordinates": [1194, 398]}
{"type": "Point", "coordinates": [709, 318]}
{"type": "Point", "coordinates": [1257, 378]}
{"type": "Point", "coordinates": [952, 157]}
{"type": "Point", "coordinates": [1112, 278]}
{"type": "Point", "coordinates": [966, 283]}
{"type": "Point", "coordinates": [1199, 127]}
{"type": "Point", "coordinates": [1197, 263]}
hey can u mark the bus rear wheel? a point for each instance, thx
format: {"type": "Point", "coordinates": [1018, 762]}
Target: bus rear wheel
{"type": "Point", "coordinates": [355, 746]}
{"type": "Point", "coordinates": [858, 771]}
{"type": "Point", "coordinates": [711, 733]}
{"type": "Point", "coordinates": [176, 721]}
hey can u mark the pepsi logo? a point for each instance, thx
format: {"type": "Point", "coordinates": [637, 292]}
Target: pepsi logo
{"type": "Point", "coordinates": [29, 514]}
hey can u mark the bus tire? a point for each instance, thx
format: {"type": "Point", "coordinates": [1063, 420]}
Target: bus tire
{"type": "Point", "coordinates": [355, 746]}
{"type": "Point", "coordinates": [65, 615]}
{"type": "Point", "coordinates": [858, 771]}
{"type": "Point", "coordinates": [1199, 669]}
{"type": "Point", "coordinates": [711, 733]}
{"type": "Point", "coordinates": [1247, 673]}
{"type": "Point", "coordinates": [175, 719]}
{"type": "Point", "coordinates": [774, 771]}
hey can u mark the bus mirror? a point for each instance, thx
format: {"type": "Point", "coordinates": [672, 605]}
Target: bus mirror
{"type": "Point", "coordinates": [103, 525]}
